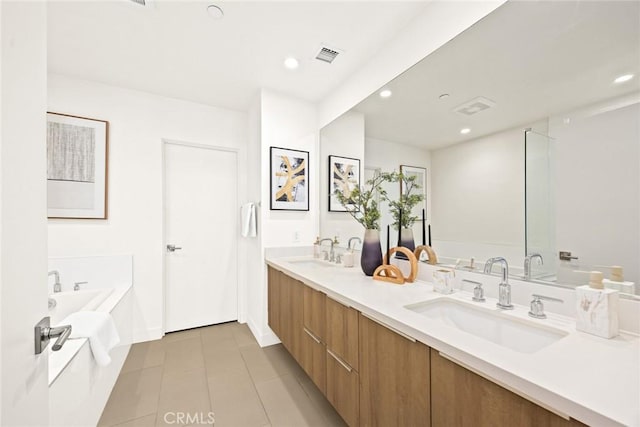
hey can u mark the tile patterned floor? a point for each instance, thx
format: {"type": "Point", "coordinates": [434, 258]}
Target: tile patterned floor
{"type": "Point", "coordinates": [218, 369]}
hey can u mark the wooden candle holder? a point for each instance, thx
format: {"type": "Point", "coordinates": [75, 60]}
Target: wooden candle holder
{"type": "Point", "coordinates": [431, 254]}
{"type": "Point", "coordinates": [393, 274]}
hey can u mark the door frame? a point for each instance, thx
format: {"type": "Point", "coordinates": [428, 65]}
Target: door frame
{"type": "Point", "coordinates": [240, 247]}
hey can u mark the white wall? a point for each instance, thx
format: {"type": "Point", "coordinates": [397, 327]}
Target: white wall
{"type": "Point", "coordinates": [388, 156]}
{"type": "Point", "coordinates": [23, 245]}
{"type": "Point", "coordinates": [288, 123]}
{"type": "Point", "coordinates": [343, 137]}
{"type": "Point", "coordinates": [597, 186]}
{"type": "Point", "coordinates": [440, 22]}
{"type": "Point", "coordinates": [478, 197]}
{"type": "Point", "coordinates": [138, 122]}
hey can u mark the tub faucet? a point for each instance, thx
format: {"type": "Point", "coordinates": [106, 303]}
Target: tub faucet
{"type": "Point", "coordinates": [57, 286]}
{"type": "Point", "coordinates": [527, 264]}
{"type": "Point", "coordinates": [504, 288]}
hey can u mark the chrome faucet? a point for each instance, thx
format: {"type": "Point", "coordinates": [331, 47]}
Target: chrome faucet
{"type": "Point", "coordinates": [57, 286]}
{"type": "Point", "coordinates": [351, 240]}
{"type": "Point", "coordinates": [332, 255]}
{"type": "Point", "coordinates": [504, 288]}
{"type": "Point", "coordinates": [527, 264]}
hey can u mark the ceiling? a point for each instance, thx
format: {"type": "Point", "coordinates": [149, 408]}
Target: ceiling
{"type": "Point", "coordinates": [533, 59]}
{"type": "Point", "coordinates": [174, 48]}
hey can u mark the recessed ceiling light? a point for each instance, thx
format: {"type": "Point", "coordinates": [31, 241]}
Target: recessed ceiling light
{"type": "Point", "coordinates": [291, 63]}
{"type": "Point", "coordinates": [465, 131]}
{"type": "Point", "coordinates": [385, 93]}
{"type": "Point", "coordinates": [215, 12]}
{"type": "Point", "coordinates": [444, 96]}
{"type": "Point", "coordinates": [624, 78]}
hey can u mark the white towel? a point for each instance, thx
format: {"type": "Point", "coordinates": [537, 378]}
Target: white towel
{"type": "Point", "coordinates": [101, 330]}
{"type": "Point", "coordinates": [249, 227]}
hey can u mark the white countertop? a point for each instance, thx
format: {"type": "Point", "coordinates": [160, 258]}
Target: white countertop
{"type": "Point", "coordinates": [591, 379]}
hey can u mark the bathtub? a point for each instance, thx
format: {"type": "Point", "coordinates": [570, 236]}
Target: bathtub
{"type": "Point", "coordinates": [78, 387]}
{"type": "Point", "coordinates": [71, 301]}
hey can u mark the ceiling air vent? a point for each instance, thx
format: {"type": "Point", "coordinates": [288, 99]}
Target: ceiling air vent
{"type": "Point", "coordinates": [327, 55]}
{"type": "Point", "coordinates": [474, 106]}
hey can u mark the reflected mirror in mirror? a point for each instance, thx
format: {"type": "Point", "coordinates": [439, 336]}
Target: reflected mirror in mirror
{"type": "Point", "coordinates": [530, 146]}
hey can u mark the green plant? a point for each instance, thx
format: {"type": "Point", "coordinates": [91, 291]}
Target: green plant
{"type": "Point", "coordinates": [407, 201]}
{"type": "Point", "coordinates": [362, 204]}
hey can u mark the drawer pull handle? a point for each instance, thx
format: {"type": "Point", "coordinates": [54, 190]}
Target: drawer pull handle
{"type": "Point", "coordinates": [313, 337]}
{"type": "Point", "coordinates": [344, 365]}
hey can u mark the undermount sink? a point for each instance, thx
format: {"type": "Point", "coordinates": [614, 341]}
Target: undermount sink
{"type": "Point", "coordinates": [489, 324]}
{"type": "Point", "coordinates": [311, 263]}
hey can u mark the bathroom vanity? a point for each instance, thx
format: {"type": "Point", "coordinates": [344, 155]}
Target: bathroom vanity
{"type": "Point", "coordinates": [381, 359]}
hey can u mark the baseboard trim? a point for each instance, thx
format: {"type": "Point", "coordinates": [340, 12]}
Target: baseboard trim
{"type": "Point", "coordinates": [264, 340]}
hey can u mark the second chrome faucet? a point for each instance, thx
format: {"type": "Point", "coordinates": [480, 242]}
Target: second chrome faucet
{"type": "Point", "coordinates": [504, 288]}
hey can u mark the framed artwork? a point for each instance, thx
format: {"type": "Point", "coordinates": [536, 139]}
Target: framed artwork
{"type": "Point", "coordinates": [421, 180]}
{"type": "Point", "coordinates": [77, 167]}
{"type": "Point", "coordinates": [289, 179]}
{"type": "Point", "coordinates": [344, 176]}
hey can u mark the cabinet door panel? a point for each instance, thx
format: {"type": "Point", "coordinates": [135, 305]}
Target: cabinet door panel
{"type": "Point", "coordinates": [296, 292]}
{"type": "Point", "coordinates": [394, 378]}
{"type": "Point", "coordinates": [342, 331]}
{"type": "Point", "coordinates": [314, 360]}
{"type": "Point", "coordinates": [342, 389]}
{"type": "Point", "coordinates": [460, 397]}
{"type": "Point", "coordinates": [314, 312]}
{"type": "Point", "coordinates": [274, 303]}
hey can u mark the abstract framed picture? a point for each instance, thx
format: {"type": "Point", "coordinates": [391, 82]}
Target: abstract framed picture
{"type": "Point", "coordinates": [289, 179]}
{"type": "Point", "coordinates": [344, 176]}
{"type": "Point", "coordinates": [421, 180]}
{"type": "Point", "coordinates": [77, 166]}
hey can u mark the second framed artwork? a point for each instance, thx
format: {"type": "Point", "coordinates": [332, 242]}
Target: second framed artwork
{"type": "Point", "coordinates": [421, 181]}
{"type": "Point", "coordinates": [289, 179]}
{"type": "Point", "coordinates": [344, 176]}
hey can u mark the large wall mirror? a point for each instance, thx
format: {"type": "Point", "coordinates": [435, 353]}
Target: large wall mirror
{"type": "Point", "coordinates": [529, 134]}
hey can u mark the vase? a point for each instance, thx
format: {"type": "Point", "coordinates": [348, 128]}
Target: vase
{"type": "Point", "coordinates": [371, 257]}
{"type": "Point", "coordinates": [406, 240]}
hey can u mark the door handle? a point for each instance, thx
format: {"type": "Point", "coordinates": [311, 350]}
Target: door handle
{"type": "Point", "coordinates": [44, 332]}
{"type": "Point", "coordinates": [173, 248]}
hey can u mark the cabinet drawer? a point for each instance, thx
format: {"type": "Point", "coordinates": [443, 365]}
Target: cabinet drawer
{"type": "Point", "coordinates": [314, 312]}
{"type": "Point", "coordinates": [343, 388]}
{"type": "Point", "coordinates": [342, 332]}
{"type": "Point", "coordinates": [314, 359]}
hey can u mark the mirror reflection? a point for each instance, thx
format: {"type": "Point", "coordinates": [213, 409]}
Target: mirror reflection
{"type": "Point", "coordinates": [528, 130]}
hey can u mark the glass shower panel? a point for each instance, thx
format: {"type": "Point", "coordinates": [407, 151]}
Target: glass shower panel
{"type": "Point", "coordinates": [540, 227]}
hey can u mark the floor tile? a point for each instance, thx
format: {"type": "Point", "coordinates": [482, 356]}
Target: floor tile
{"type": "Point", "coordinates": [321, 403]}
{"type": "Point", "coordinates": [135, 395]}
{"type": "Point", "coordinates": [235, 401]}
{"type": "Point", "coordinates": [287, 404]}
{"type": "Point", "coordinates": [147, 421]}
{"type": "Point", "coordinates": [184, 355]}
{"type": "Point", "coordinates": [243, 336]}
{"type": "Point", "coordinates": [181, 335]}
{"type": "Point", "coordinates": [185, 392]}
{"type": "Point", "coordinates": [143, 355]}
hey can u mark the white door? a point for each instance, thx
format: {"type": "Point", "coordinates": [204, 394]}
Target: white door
{"type": "Point", "coordinates": [201, 214]}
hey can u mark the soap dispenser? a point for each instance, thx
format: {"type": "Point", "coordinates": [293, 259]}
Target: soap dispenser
{"type": "Point", "coordinates": [616, 279]}
{"type": "Point", "coordinates": [316, 248]}
{"type": "Point", "coordinates": [597, 307]}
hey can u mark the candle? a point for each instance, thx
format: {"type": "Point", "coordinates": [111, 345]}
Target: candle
{"type": "Point", "coordinates": [429, 234]}
{"type": "Point", "coordinates": [399, 225]}
{"type": "Point", "coordinates": [387, 253]}
{"type": "Point", "coordinates": [424, 240]}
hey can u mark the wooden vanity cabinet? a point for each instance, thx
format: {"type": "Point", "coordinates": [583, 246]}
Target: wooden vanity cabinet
{"type": "Point", "coordinates": [460, 397]}
{"type": "Point", "coordinates": [343, 384]}
{"type": "Point", "coordinates": [313, 340]}
{"type": "Point", "coordinates": [285, 306]}
{"type": "Point", "coordinates": [394, 378]}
